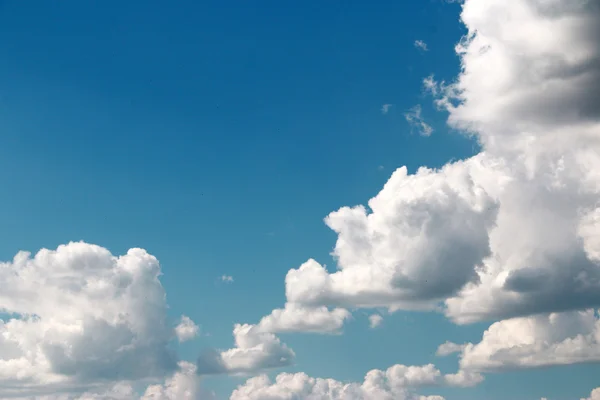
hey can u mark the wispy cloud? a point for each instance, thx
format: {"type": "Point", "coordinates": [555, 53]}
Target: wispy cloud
{"type": "Point", "coordinates": [415, 119]}
{"type": "Point", "coordinates": [227, 278]}
{"type": "Point", "coordinates": [421, 45]}
{"type": "Point", "coordinates": [386, 108]}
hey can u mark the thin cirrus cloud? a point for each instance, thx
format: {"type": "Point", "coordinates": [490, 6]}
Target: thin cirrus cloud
{"type": "Point", "coordinates": [421, 45]}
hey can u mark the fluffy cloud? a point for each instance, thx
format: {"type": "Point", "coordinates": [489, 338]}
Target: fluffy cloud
{"type": "Point", "coordinates": [78, 315]}
{"type": "Point", "coordinates": [512, 231]}
{"type": "Point", "coordinates": [298, 318]}
{"type": "Point", "coordinates": [375, 320]}
{"type": "Point", "coordinates": [254, 350]}
{"type": "Point", "coordinates": [186, 329]}
{"type": "Point", "coordinates": [595, 395]}
{"type": "Point", "coordinates": [183, 385]}
{"type": "Point", "coordinates": [535, 341]}
{"type": "Point", "coordinates": [396, 383]}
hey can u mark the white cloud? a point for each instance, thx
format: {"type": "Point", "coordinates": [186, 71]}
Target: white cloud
{"type": "Point", "coordinates": [448, 348]}
{"type": "Point", "coordinates": [415, 119]}
{"type": "Point", "coordinates": [375, 320]}
{"type": "Point", "coordinates": [396, 383]}
{"type": "Point", "coordinates": [183, 385]}
{"type": "Point", "coordinates": [78, 315]}
{"type": "Point", "coordinates": [386, 108]}
{"type": "Point", "coordinates": [254, 350]}
{"type": "Point", "coordinates": [421, 45]}
{"type": "Point", "coordinates": [299, 318]}
{"type": "Point", "coordinates": [186, 329]}
{"type": "Point", "coordinates": [227, 278]}
{"type": "Point", "coordinates": [595, 395]}
{"type": "Point", "coordinates": [512, 231]}
{"type": "Point", "coordinates": [535, 341]}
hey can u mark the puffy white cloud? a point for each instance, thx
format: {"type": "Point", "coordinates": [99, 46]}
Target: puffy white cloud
{"type": "Point", "coordinates": [183, 385]}
{"type": "Point", "coordinates": [535, 341]}
{"type": "Point", "coordinates": [254, 350]}
{"type": "Point", "coordinates": [299, 318]}
{"type": "Point", "coordinates": [512, 231]}
{"type": "Point", "coordinates": [375, 320]}
{"type": "Point", "coordinates": [448, 348]}
{"type": "Point", "coordinates": [418, 244]}
{"type": "Point", "coordinates": [186, 329]}
{"type": "Point", "coordinates": [415, 119]}
{"type": "Point", "coordinates": [595, 395]}
{"type": "Point", "coordinates": [78, 315]}
{"type": "Point", "coordinates": [396, 383]}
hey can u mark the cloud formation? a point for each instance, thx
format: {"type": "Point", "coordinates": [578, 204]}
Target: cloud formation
{"type": "Point", "coordinates": [186, 329]}
{"type": "Point", "coordinates": [254, 351]}
{"type": "Point", "coordinates": [396, 383]}
{"type": "Point", "coordinates": [415, 119]}
{"type": "Point", "coordinates": [78, 315]}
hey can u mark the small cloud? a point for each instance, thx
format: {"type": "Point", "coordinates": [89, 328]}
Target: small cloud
{"type": "Point", "coordinates": [414, 118]}
{"type": "Point", "coordinates": [186, 329]}
{"type": "Point", "coordinates": [375, 320]}
{"type": "Point", "coordinates": [386, 108]}
{"type": "Point", "coordinates": [448, 348]}
{"type": "Point", "coordinates": [381, 168]}
{"type": "Point", "coordinates": [421, 45]}
{"type": "Point", "coordinates": [227, 278]}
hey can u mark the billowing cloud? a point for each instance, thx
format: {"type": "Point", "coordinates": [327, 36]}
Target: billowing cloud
{"type": "Point", "coordinates": [595, 395]}
{"type": "Point", "coordinates": [298, 318]}
{"type": "Point", "coordinates": [534, 341]}
{"type": "Point", "coordinates": [78, 315]}
{"type": "Point", "coordinates": [186, 329]}
{"type": "Point", "coordinates": [512, 231]}
{"type": "Point", "coordinates": [396, 383]}
{"type": "Point", "coordinates": [254, 350]}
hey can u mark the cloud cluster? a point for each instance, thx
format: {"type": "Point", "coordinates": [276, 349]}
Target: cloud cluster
{"type": "Point", "coordinates": [512, 231]}
{"type": "Point", "coordinates": [396, 383]}
{"type": "Point", "coordinates": [535, 341]}
{"type": "Point", "coordinates": [254, 350]}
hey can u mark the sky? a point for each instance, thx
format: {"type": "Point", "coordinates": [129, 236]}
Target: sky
{"type": "Point", "coordinates": [391, 200]}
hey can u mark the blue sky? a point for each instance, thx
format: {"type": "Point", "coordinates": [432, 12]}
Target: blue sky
{"type": "Point", "coordinates": [217, 136]}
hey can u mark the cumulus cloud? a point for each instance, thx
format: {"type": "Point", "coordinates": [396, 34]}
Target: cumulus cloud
{"type": "Point", "coordinates": [186, 329]}
{"type": "Point", "coordinates": [595, 395]}
{"type": "Point", "coordinates": [512, 231]}
{"type": "Point", "coordinates": [183, 385]}
{"type": "Point", "coordinates": [421, 45]}
{"type": "Point", "coordinates": [78, 315]}
{"type": "Point", "coordinates": [534, 341]}
{"type": "Point", "coordinates": [375, 320]}
{"type": "Point", "coordinates": [254, 350]}
{"type": "Point", "coordinates": [299, 318]}
{"type": "Point", "coordinates": [415, 119]}
{"type": "Point", "coordinates": [448, 348]}
{"type": "Point", "coordinates": [396, 383]}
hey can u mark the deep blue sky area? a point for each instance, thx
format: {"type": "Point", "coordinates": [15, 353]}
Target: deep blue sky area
{"type": "Point", "coordinates": [218, 135]}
